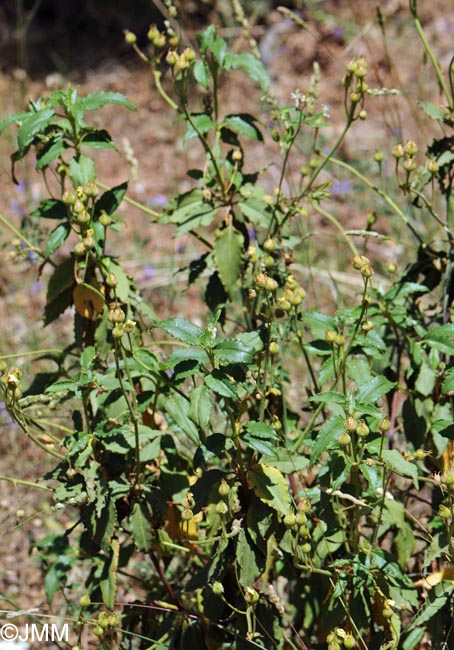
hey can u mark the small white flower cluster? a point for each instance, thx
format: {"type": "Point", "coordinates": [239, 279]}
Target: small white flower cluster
{"type": "Point", "coordinates": [302, 101]}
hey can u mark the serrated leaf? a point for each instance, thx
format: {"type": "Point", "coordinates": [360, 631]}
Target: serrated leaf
{"type": "Point", "coordinates": [228, 256]}
{"type": "Point", "coordinates": [32, 125]}
{"type": "Point", "coordinates": [244, 124]}
{"type": "Point", "coordinates": [441, 338]}
{"type": "Point", "coordinates": [108, 581]}
{"type": "Point", "coordinates": [249, 64]}
{"type": "Point", "coordinates": [270, 487]}
{"type": "Point", "coordinates": [394, 461]}
{"type": "Point", "coordinates": [200, 123]}
{"type": "Point", "coordinates": [263, 447]}
{"type": "Point", "coordinates": [141, 527]}
{"type": "Point", "coordinates": [178, 408]}
{"type": "Point", "coordinates": [249, 559]}
{"type": "Point", "coordinates": [146, 358]}
{"type": "Point", "coordinates": [448, 383]}
{"type": "Point", "coordinates": [99, 139]}
{"type": "Point", "coordinates": [327, 437]}
{"type": "Point", "coordinates": [182, 330]}
{"type": "Point", "coordinates": [16, 117]}
{"type": "Point", "coordinates": [220, 385]}
{"type": "Point", "coordinates": [93, 101]}
{"type": "Point", "coordinates": [435, 601]}
{"type": "Point", "coordinates": [425, 381]}
{"type": "Point", "coordinates": [48, 155]}
{"type": "Point", "coordinates": [123, 285]}
{"type": "Point", "coordinates": [65, 385]}
{"type": "Point", "coordinates": [110, 201]}
{"type": "Point", "coordinates": [200, 408]}
{"type": "Point", "coordinates": [82, 171]}
{"type": "Point", "coordinates": [61, 279]}
{"type": "Point", "coordinates": [57, 237]}
{"type": "Point", "coordinates": [372, 390]}
{"type": "Point", "coordinates": [432, 110]}
{"type": "Point", "coordinates": [233, 351]}
{"type": "Point", "coordinates": [51, 209]}
{"type": "Point", "coordinates": [329, 396]}
{"type": "Point", "coordinates": [262, 430]}
{"type": "Point", "coordinates": [201, 73]}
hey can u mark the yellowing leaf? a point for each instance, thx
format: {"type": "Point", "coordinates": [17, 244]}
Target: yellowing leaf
{"type": "Point", "coordinates": [88, 300]}
{"type": "Point", "coordinates": [432, 579]}
{"type": "Point", "coordinates": [270, 486]}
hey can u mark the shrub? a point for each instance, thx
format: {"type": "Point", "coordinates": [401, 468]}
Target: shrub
{"type": "Point", "coordinates": [270, 481]}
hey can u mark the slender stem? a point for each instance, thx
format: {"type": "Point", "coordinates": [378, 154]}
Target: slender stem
{"type": "Point", "coordinates": [433, 59]}
{"type": "Point", "coordinates": [135, 204]}
{"type": "Point", "coordinates": [381, 193]}
{"type": "Point", "coordinates": [337, 225]}
{"type": "Point", "coordinates": [23, 239]}
{"type": "Point", "coordinates": [17, 481]}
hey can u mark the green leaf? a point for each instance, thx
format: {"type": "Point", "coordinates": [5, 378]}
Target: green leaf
{"type": "Point", "coordinates": [99, 139]}
{"type": "Point", "coordinates": [49, 154]}
{"type": "Point", "coordinates": [146, 358]}
{"type": "Point", "coordinates": [441, 338]}
{"type": "Point", "coordinates": [244, 124]}
{"type": "Point", "coordinates": [329, 396]}
{"type": "Point", "coordinates": [110, 201]}
{"type": "Point", "coordinates": [200, 123]}
{"type": "Point", "coordinates": [182, 330]}
{"type": "Point", "coordinates": [425, 381]}
{"type": "Point", "coordinates": [228, 257]}
{"type": "Point", "coordinates": [51, 209]}
{"type": "Point", "coordinates": [82, 171]}
{"type": "Point", "coordinates": [432, 110]}
{"type": "Point", "coordinates": [61, 279]}
{"type": "Point", "coordinates": [209, 39]}
{"type": "Point", "coordinates": [16, 117]}
{"type": "Point", "coordinates": [394, 461]}
{"type": "Point", "coordinates": [249, 64]}
{"type": "Point", "coordinates": [435, 601]}
{"type": "Point", "coordinates": [261, 437]}
{"type": "Point", "coordinates": [56, 238]}
{"type": "Point", "coordinates": [201, 73]}
{"type": "Point", "coordinates": [270, 487]}
{"type": "Point", "coordinates": [93, 101]}
{"type": "Point", "coordinates": [32, 125]}
{"type": "Point", "coordinates": [65, 385]}
{"type": "Point", "coordinates": [221, 385]}
{"type": "Point", "coordinates": [448, 383]}
{"type": "Point", "coordinates": [141, 527]}
{"type": "Point", "coordinates": [108, 582]}
{"type": "Point", "coordinates": [178, 408]}
{"type": "Point", "coordinates": [327, 437]}
{"type": "Point", "coordinates": [200, 408]}
{"type": "Point", "coordinates": [233, 351]}
{"type": "Point", "coordinates": [372, 390]}
{"type": "Point", "coordinates": [249, 559]}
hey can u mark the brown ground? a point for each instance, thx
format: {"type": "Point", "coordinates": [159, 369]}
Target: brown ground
{"type": "Point", "coordinates": [337, 30]}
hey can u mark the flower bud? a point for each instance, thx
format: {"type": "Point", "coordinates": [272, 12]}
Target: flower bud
{"type": "Point", "coordinates": [118, 331]}
{"type": "Point", "coordinates": [189, 54]}
{"type": "Point", "coordinates": [409, 164]}
{"type": "Point", "coordinates": [410, 148]}
{"type": "Point", "coordinates": [111, 280]}
{"type": "Point", "coordinates": [224, 488]}
{"type": "Point", "coordinates": [218, 588]}
{"type": "Point", "coordinates": [351, 424]}
{"type": "Point", "coordinates": [251, 596]}
{"type": "Point", "coordinates": [306, 548]}
{"type": "Point", "coordinates": [432, 166]}
{"type": "Point", "coordinates": [367, 271]}
{"type": "Point", "coordinates": [79, 249]}
{"type": "Point", "coordinates": [187, 514]}
{"type": "Point", "coordinates": [104, 219]}
{"type": "Point", "coordinates": [290, 520]}
{"type": "Point", "coordinates": [378, 156]}
{"type": "Point", "coordinates": [359, 261]}
{"type": "Point", "coordinates": [130, 37]}
{"type": "Point", "coordinates": [273, 347]}
{"type": "Point", "coordinates": [171, 57]}
{"type": "Point", "coordinates": [398, 151]}
{"type": "Point", "coordinates": [237, 155]}
{"type": "Point", "coordinates": [344, 439]}
{"type": "Point", "coordinates": [116, 315]}
{"type": "Point", "coordinates": [222, 508]}
{"type": "Point", "coordinates": [362, 430]}
{"type": "Point", "coordinates": [444, 512]}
